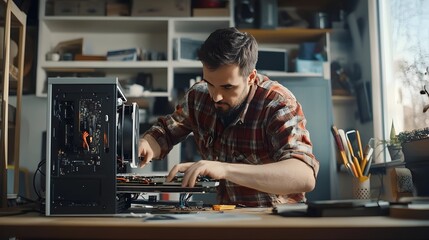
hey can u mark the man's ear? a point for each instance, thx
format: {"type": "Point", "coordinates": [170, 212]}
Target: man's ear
{"type": "Point", "coordinates": [252, 77]}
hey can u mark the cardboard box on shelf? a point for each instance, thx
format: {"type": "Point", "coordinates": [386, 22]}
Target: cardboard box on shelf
{"type": "Point", "coordinates": [92, 8]}
{"type": "Point", "coordinates": [117, 9]}
{"type": "Point", "coordinates": [66, 8]}
{"type": "Point", "coordinates": [78, 8]}
{"type": "Point", "coordinates": [164, 8]}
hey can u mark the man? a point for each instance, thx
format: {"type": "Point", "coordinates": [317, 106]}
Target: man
{"type": "Point", "coordinates": [249, 130]}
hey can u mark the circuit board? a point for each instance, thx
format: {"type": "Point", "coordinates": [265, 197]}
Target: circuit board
{"type": "Point", "coordinates": [140, 183]}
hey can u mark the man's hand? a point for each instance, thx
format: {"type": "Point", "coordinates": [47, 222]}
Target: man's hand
{"type": "Point", "coordinates": [191, 170]}
{"type": "Point", "coordinates": [148, 149]}
{"type": "Point", "coordinates": [145, 152]}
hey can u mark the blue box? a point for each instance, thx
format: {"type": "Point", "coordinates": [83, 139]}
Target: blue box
{"type": "Point", "coordinates": [186, 48]}
{"type": "Point", "coordinates": [309, 66]}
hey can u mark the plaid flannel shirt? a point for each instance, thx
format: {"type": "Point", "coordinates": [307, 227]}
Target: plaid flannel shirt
{"type": "Point", "coordinates": [270, 128]}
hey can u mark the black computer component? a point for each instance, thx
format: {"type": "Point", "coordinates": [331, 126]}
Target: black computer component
{"type": "Point", "coordinates": [91, 136]}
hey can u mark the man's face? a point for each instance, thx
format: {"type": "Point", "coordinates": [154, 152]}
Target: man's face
{"type": "Point", "coordinates": [227, 87]}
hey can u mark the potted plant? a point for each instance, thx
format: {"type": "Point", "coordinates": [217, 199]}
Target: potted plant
{"type": "Point", "coordinates": [394, 145]}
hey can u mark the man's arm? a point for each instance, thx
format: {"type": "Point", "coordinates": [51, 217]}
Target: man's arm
{"type": "Point", "coordinates": [283, 177]}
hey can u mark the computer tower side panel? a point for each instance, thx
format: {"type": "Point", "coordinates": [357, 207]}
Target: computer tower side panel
{"type": "Point", "coordinates": [82, 152]}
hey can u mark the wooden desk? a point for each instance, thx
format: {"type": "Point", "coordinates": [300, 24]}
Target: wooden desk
{"type": "Point", "coordinates": [268, 226]}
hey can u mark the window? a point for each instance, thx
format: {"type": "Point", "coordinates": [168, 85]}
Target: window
{"type": "Point", "coordinates": [399, 47]}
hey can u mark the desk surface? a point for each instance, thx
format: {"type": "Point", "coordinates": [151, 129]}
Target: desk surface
{"type": "Point", "coordinates": [265, 226]}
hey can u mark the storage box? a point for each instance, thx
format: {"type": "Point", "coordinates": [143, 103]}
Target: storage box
{"type": "Point", "coordinates": [186, 48]}
{"type": "Point", "coordinates": [309, 66]}
{"type": "Point", "coordinates": [164, 8]}
{"type": "Point", "coordinates": [92, 8]}
{"type": "Point", "coordinates": [117, 9]}
{"type": "Point", "coordinates": [66, 8]}
{"type": "Point", "coordinates": [79, 8]}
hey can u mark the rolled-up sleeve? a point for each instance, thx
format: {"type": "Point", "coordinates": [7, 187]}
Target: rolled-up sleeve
{"type": "Point", "coordinates": [288, 135]}
{"type": "Point", "coordinates": [171, 129]}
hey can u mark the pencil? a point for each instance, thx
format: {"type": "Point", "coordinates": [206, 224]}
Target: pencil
{"type": "Point", "coordinates": [355, 161]}
{"type": "Point", "coordinates": [353, 169]}
{"type": "Point", "coordinates": [358, 169]}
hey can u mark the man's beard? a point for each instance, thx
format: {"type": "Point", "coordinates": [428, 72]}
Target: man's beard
{"type": "Point", "coordinates": [224, 113]}
{"type": "Point", "coordinates": [229, 112]}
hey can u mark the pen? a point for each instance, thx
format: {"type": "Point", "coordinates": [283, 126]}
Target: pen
{"type": "Point", "coordinates": [368, 154]}
{"type": "Point", "coordinates": [368, 165]}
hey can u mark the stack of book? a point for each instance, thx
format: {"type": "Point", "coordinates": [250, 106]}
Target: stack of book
{"type": "Point", "coordinates": [334, 208]}
{"type": "Point", "coordinates": [131, 54]}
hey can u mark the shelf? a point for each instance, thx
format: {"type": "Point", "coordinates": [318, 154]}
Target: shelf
{"type": "Point", "coordinates": [101, 34]}
{"type": "Point", "coordinates": [291, 74]}
{"type": "Point", "coordinates": [133, 24]}
{"type": "Point", "coordinates": [287, 35]}
{"type": "Point", "coordinates": [132, 18]}
{"type": "Point", "coordinates": [104, 64]}
{"type": "Point", "coordinates": [200, 25]}
{"type": "Point", "coordinates": [187, 64]}
{"type": "Point", "coordinates": [106, 24]}
{"type": "Point", "coordinates": [150, 94]}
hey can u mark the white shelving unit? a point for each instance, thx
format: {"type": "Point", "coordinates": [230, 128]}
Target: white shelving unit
{"type": "Point", "coordinates": [101, 34]}
{"type": "Point", "coordinates": [105, 33]}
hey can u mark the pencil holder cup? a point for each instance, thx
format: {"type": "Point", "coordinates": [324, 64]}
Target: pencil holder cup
{"type": "Point", "coordinates": [361, 188]}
